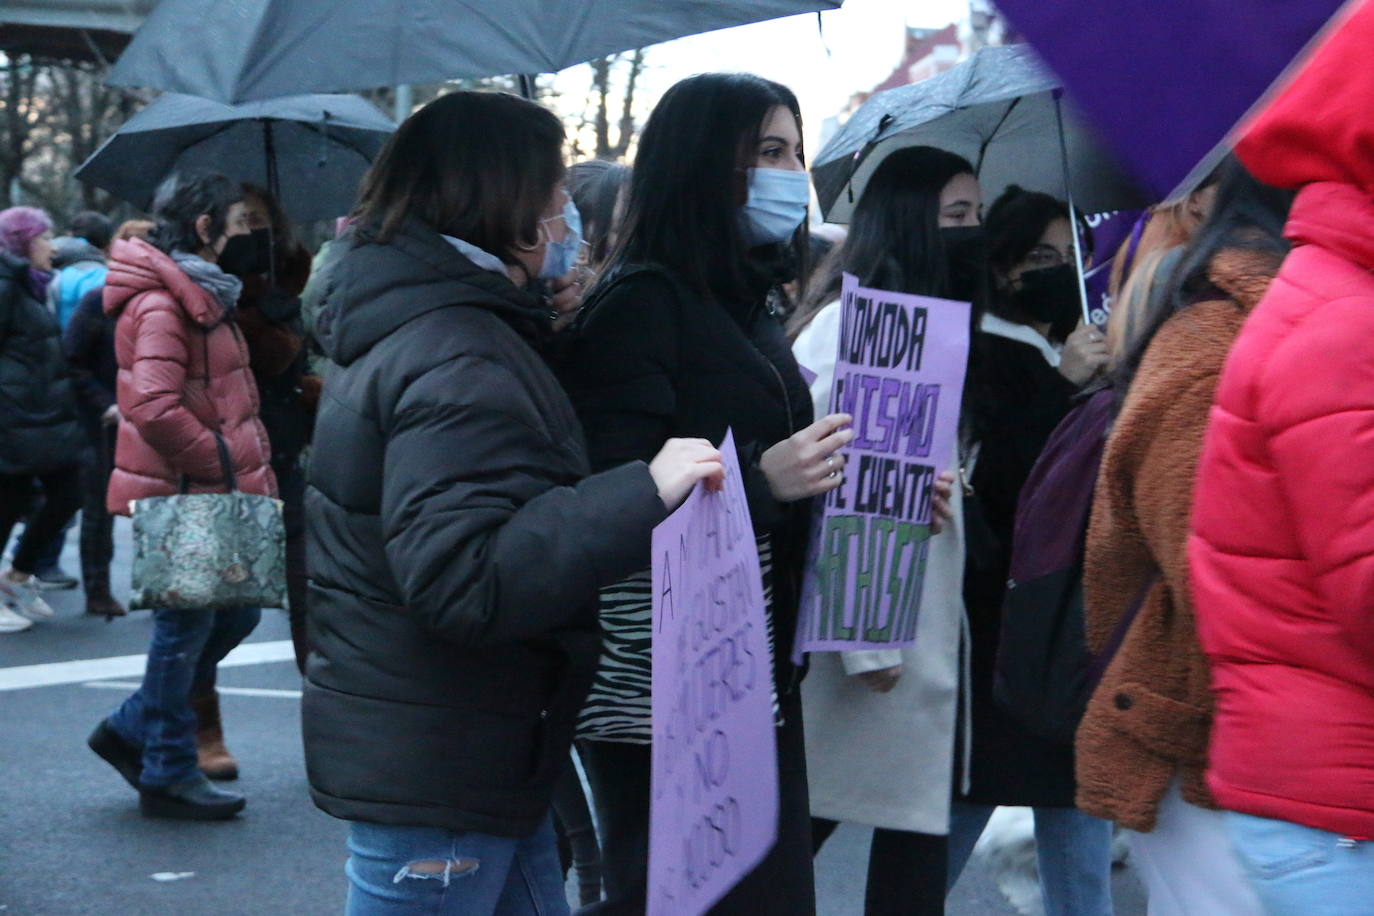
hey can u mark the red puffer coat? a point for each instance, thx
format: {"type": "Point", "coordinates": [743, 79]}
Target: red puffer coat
{"type": "Point", "coordinates": [183, 372]}
{"type": "Point", "coordinates": [1282, 551]}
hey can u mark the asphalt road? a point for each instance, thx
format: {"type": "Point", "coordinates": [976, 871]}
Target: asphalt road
{"type": "Point", "coordinates": [73, 842]}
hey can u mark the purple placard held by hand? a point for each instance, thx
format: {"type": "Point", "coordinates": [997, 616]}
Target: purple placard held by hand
{"type": "Point", "coordinates": [900, 374]}
{"type": "Point", "coordinates": [714, 809]}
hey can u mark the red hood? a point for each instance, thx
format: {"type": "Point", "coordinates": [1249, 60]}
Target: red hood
{"type": "Point", "coordinates": [1319, 127]}
{"type": "Point", "coordinates": [136, 267]}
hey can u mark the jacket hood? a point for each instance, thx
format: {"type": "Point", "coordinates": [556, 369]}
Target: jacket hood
{"type": "Point", "coordinates": [1318, 128]}
{"type": "Point", "coordinates": [137, 267]}
{"type": "Point", "coordinates": [1244, 274]}
{"type": "Point", "coordinates": [68, 251]}
{"type": "Point", "coordinates": [372, 288]}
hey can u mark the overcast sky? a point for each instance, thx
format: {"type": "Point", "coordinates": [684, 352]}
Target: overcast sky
{"type": "Point", "coordinates": [865, 39]}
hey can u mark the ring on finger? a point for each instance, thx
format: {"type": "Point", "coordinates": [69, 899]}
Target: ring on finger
{"type": "Point", "coordinates": [830, 462]}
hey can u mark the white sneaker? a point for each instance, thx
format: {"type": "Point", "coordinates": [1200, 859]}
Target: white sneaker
{"type": "Point", "coordinates": [23, 597]}
{"type": "Point", "coordinates": [10, 622]}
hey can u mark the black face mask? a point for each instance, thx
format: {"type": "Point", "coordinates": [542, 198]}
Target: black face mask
{"type": "Point", "coordinates": [1050, 295]}
{"type": "Point", "coordinates": [966, 253]}
{"type": "Point", "coordinates": [246, 255]}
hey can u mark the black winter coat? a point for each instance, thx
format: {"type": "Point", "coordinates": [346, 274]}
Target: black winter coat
{"type": "Point", "coordinates": [456, 545]}
{"type": "Point", "coordinates": [88, 344]}
{"type": "Point", "coordinates": [650, 361]}
{"type": "Point", "coordinates": [38, 422]}
{"type": "Point", "coordinates": [1016, 399]}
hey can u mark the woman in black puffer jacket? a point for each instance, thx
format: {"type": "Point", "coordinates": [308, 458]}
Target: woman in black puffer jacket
{"type": "Point", "coordinates": [455, 537]}
{"type": "Point", "coordinates": [41, 436]}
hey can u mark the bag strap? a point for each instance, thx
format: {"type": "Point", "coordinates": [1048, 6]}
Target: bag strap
{"type": "Point", "coordinates": [230, 478]}
{"type": "Point", "coordinates": [227, 465]}
{"type": "Point", "coordinates": [1123, 626]}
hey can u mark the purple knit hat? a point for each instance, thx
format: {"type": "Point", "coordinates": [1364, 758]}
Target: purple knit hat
{"type": "Point", "coordinates": [19, 226]}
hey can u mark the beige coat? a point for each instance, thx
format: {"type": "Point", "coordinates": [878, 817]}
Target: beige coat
{"type": "Point", "coordinates": [886, 759]}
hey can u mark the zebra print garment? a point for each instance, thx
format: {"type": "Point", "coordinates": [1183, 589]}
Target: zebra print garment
{"type": "Point", "coordinates": [619, 705]}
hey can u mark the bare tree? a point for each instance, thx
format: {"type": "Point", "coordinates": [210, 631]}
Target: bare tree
{"type": "Point", "coordinates": [600, 98]}
{"type": "Point", "coordinates": [19, 81]}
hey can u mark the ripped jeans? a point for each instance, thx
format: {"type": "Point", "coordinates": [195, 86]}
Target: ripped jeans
{"type": "Point", "coordinates": [397, 871]}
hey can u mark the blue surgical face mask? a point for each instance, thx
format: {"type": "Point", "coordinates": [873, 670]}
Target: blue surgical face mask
{"type": "Point", "coordinates": [561, 256]}
{"type": "Point", "coordinates": [776, 206]}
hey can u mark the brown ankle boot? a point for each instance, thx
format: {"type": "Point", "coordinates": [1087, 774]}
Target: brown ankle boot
{"type": "Point", "coordinates": [214, 758]}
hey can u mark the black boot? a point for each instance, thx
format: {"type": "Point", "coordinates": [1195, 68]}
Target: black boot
{"type": "Point", "coordinates": [118, 753]}
{"type": "Point", "coordinates": [196, 799]}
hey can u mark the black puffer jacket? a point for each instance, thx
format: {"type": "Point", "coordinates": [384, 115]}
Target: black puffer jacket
{"type": "Point", "coordinates": [456, 547]}
{"type": "Point", "coordinates": [38, 423]}
{"type": "Point", "coordinates": [651, 360]}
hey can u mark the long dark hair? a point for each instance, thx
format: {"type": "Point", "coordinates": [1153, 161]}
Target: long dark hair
{"type": "Point", "coordinates": [595, 186]}
{"type": "Point", "coordinates": [184, 198]}
{"type": "Point", "coordinates": [1015, 223]}
{"type": "Point", "coordinates": [479, 166]}
{"type": "Point", "coordinates": [1248, 215]}
{"type": "Point", "coordinates": [690, 180]}
{"type": "Point", "coordinates": [894, 239]}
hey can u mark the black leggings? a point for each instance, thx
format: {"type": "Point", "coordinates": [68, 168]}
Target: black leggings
{"type": "Point", "coordinates": [906, 870]}
{"type": "Point", "coordinates": [62, 499]}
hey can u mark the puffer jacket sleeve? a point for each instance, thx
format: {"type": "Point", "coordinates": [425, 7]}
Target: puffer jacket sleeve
{"type": "Point", "coordinates": [1321, 439]}
{"type": "Point", "coordinates": [156, 408]}
{"type": "Point", "coordinates": [485, 551]}
{"type": "Point", "coordinates": [9, 301]}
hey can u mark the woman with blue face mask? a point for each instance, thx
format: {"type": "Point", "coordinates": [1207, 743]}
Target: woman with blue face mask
{"type": "Point", "coordinates": [677, 336]}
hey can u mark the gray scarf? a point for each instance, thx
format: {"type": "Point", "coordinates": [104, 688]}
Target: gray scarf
{"type": "Point", "coordinates": [224, 287]}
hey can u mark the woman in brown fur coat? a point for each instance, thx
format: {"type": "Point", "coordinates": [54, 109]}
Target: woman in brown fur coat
{"type": "Point", "coordinates": [1142, 745]}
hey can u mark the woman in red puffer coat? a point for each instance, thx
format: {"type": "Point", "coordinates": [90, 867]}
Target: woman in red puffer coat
{"type": "Point", "coordinates": [1282, 552]}
{"type": "Point", "coordinates": [184, 389]}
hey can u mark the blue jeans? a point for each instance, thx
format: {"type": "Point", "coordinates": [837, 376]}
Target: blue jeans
{"type": "Point", "coordinates": [186, 647]}
{"type": "Point", "coordinates": [1301, 870]}
{"type": "Point", "coordinates": [1073, 849]}
{"type": "Point", "coordinates": [398, 871]}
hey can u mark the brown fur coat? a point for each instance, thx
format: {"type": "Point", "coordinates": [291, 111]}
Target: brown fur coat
{"type": "Point", "coordinates": [1150, 718]}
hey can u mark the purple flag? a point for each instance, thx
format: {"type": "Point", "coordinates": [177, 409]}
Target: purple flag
{"type": "Point", "coordinates": [900, 374]}
{"type": "Point", "coordinates": [714, 784]}
{"type": "Point", "coordinates": [1110, 231]}
{"type": "Point", "coordinates": [1166, 80]}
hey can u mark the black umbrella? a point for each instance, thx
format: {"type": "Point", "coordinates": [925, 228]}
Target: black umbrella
{"type": "Point", "coordinates": [235, 50]}
{"type": "Point", "coordinates": [1002, 110]}
{"type": "Point", "coordinates": [309, 150]}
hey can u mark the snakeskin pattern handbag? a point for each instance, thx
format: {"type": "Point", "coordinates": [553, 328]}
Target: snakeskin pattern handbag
{"type": "Point", "coordinates": [209, 551]}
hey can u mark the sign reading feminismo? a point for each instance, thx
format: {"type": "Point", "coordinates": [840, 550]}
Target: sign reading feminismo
{"type": "Point", "coordinates": [900, 374]}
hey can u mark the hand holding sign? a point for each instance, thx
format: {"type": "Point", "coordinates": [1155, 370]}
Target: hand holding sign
{"type": "Point", "coordinates": [808, 463]}
{"type": "Point", "coordinates": [680, 464]}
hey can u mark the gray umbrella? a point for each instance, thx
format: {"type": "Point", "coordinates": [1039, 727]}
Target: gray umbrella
{"type": "Point", "coordinates": [311, 150]}
{"type": "Point", "coordinates": [234, 50]}
{"type": "Point", "coordinates": [1000, 109]}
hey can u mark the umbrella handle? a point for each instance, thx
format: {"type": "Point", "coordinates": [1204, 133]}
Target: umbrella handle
{"type": "Point", "coordinates": [1073, 210]}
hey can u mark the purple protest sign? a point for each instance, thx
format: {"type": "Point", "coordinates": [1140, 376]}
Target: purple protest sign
{"type": "Point", "coordinates": [900, 374]}
{"type": "Point", "coordinates": [714, 785]}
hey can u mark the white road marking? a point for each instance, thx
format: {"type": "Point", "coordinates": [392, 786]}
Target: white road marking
{"type": "Point", "coordinates": [229, 691]}
{"type": "Point", "coordinates": [80, 671]}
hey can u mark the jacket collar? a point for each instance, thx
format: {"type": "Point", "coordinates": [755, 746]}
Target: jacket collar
{"type": "Point", "coordinates": [1244, 274]}
{"type": "Point", "coordinates": [1023, 333]}
{"type": "Point", "coordinates": [1335, 216]}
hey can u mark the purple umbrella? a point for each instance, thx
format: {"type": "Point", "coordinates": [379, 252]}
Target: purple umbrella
{"type": "Point", "coordinates": [1165, 81]}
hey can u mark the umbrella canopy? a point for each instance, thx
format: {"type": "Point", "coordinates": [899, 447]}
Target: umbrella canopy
{"type": "Point", "coordinates": [310, 149]}
{"type": "Point", "coordinates": [1165, 81]}
{"type": "Point", "coordinates": [267, 48]}
{"type": "Point", "coordinates": [1000, 110]}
